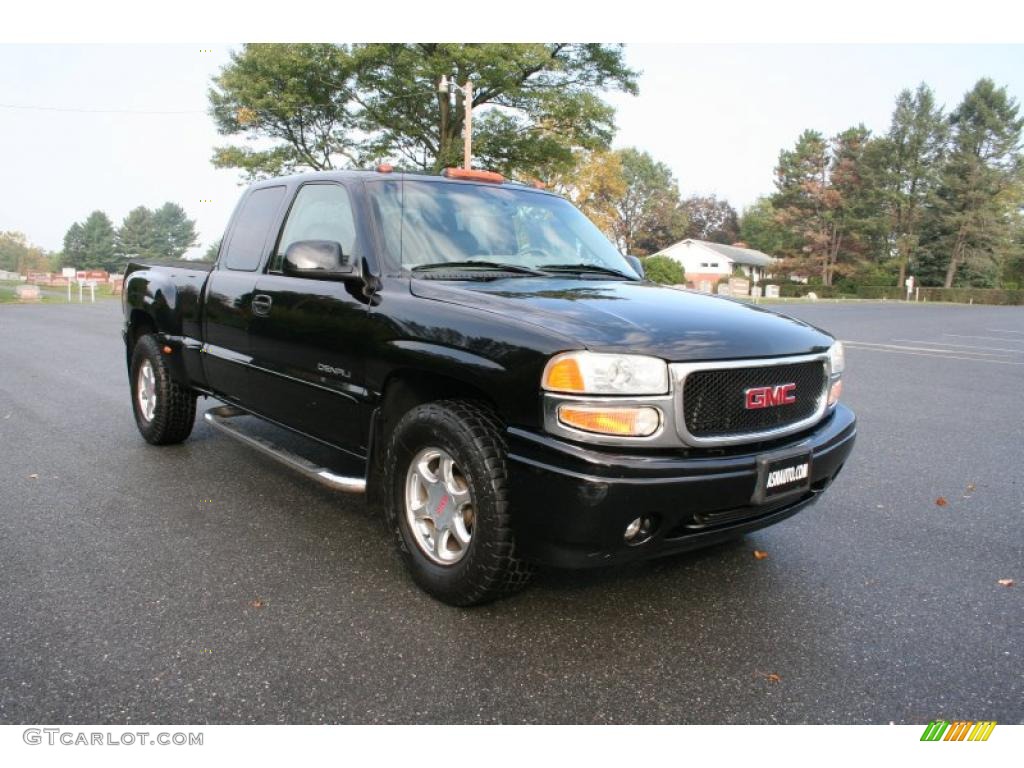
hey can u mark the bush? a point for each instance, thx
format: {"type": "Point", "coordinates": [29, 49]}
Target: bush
{"type": "Point", "coordinates": [890, 292]}
{"type": "Point", "coordinates": [662, 269]}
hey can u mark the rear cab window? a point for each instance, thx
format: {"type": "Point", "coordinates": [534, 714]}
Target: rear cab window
{"type": "Point", "coordinates": [256, 218]}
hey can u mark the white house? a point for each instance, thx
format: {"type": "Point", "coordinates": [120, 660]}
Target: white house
{"type": "Point", "coordinates": [706, 263]}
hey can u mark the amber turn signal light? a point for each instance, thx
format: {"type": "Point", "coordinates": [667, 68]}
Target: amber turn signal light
{"type": "Point", "coordinates": [639, 421]}
{"type": "Point", "coordinates": [835, 392]}
{"type": "Point", "coordinates": [468, 174]}
{"type": "Point", "coordinates": [564, 375]}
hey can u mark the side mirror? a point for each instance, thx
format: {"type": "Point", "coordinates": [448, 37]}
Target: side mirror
{"type": "Point", "coordinates": [636, 264]}
{"type": "Point", "coordinates": [318, 260]}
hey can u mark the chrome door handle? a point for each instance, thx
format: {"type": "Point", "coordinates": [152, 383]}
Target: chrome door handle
{"type": "Point", "coordinates": [261, 304]}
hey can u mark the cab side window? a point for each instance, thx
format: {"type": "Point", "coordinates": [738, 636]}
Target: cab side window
{"type": "Point", "coordinates": [320, 212]}
{"type": "Point", "coordinates": [245, 248]}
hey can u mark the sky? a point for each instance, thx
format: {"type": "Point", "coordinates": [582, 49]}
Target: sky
{"type": "Point", "coordinates": [127, 125]}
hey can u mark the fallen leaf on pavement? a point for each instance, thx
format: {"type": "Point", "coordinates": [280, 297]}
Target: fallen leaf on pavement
{"type": "Point", "coordinates": [257, 603]}
{"type": "Point", "coordinates": [759, 555]}
{"type": "Point", "coordinates": [1005, 582]}
{"type": "Point", "coordinates": [941, 501]}
{"type": "Point", "coordinates": [971, 487]}
{"type": "Point", "coordinates": [771, 677]}
{"type": "Point", "coordinates": [33, 476]}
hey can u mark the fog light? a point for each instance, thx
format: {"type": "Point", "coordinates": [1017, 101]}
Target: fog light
{"type": "Point", "coordinates": [640, 421]}
{"type": "Point", "coordinates": [638, 530]}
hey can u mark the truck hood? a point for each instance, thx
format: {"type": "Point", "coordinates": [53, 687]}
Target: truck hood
{"type": "Point", "coordinates": [634, 317]}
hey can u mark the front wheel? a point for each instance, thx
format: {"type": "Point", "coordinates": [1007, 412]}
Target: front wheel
{"type": "Point", "coordinates": [164, 410]}
{"type": "Point", "coordinates": [447, 502]}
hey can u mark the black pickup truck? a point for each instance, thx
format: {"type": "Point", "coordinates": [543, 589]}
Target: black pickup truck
{"type": "Point", "coordinates": [484, 363]}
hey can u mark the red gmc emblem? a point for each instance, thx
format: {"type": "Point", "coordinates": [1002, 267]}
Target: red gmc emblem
{"type": "Point", "coordinates": [769, 397]}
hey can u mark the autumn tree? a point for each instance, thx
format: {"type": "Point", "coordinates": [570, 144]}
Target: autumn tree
{"type": "Point", "coordinates": [595, 185]}
{"type": "Point", "coordinates": [825, 198]}
{"type": "Point", "coordinates": [322, 106]}
{"type": "Point", "coordinates": [17, 254]}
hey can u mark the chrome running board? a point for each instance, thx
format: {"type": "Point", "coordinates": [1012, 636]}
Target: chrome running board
{"type": "Point", "coordinates": [221, 417]}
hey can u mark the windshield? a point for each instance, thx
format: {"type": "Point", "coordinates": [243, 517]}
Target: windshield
{"type": "Point", "coordinates": [502, 225]}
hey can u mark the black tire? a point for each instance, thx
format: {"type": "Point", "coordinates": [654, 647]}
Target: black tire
{"type": "Point", "coordinates": [174, 412]}
{"type": "Point", "coordinates": [471, 434]}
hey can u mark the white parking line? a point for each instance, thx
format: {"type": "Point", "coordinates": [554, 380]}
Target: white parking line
{"type": "Point", "coordinates": [1003, 330]}
{"type": "Point", "coordinates": [967, 346]}
{"type": "Point", "coordinates": [924, 352]}
{"type": "Point", "coordinates": [986, 338]}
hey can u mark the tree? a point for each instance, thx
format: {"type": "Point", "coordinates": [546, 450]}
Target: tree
{"type": "Point", "coordinates": [17, 254]}
{"type": "Point", "coordinates": [210, 254]}
{"type": "Point", "coordinates": [823, 196]}
{"type": "Point", "coordinates": [326, 106]}
{"type": "Point", "coordinates": [711, 219]}
{"type": "Point", "coordinates": [74, 247]}
{"type": "Point", "coordinates": [664, 270]}
{"type": "Point", "coordinates": [137, 235]}
{"type": "Point", "coordinates": [91, 244]}
{"type": "Point", "coordinates": [906, 163]}
{"type": "Point", "coordinates": [649, 215]}
{"type": "Point", "coordinates": [980, 186]}
{"type": "Point", "coordinates": [173, 231]}
{"type": "Point", "coordinates": [595, 185]}
{"type": "Point", "coordinates": [760, 229]}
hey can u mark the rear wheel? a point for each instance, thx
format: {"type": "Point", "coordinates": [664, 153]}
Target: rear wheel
{"type": "Point", "coordinates": [164, 410]}
{"type": "Point", "coordinates": [447, 502]}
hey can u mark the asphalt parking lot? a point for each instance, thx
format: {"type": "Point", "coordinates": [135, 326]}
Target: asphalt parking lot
{"type": "Point", "coordinates": [204, 583]}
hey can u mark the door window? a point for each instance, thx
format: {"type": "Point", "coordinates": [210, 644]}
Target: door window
{"type": "Point", "coordinates": [320, 212]}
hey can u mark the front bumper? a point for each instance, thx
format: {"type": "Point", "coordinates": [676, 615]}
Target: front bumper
{"type": "Point", "coordinates": [572, 503]}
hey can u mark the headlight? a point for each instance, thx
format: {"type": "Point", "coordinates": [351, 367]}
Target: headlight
{"type": "Point", "coordinates": [837, 358]}
{"type": "Point", "coordinates": [837, 364]}
{"type": "Point", "coordinates": [590, 373]}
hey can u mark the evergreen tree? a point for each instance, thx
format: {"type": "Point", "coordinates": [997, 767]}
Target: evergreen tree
{"type": "Point", "coordinates": [979, 190]}
{"type": "Point", "coordinates": [825, 196]}
{"type": "Point", "coordinates": [137, 235]}
{"type": "Point", "coordinates": [74, 247]}
{"type": "Point", "coordinates": [906, 164]}
{"type": "Point", "coordinates": [173, 231]}
{"type": "Point", "coordinates": [210, 254]}
{"type": "Point", "coordinates": [97, 244]}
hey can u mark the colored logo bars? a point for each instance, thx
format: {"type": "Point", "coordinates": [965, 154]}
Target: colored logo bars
{"type": "Point", "coordinates": [958, 730]}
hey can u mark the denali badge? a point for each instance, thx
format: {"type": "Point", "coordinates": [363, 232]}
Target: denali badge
{"type": "Point", "coordinates": [768, 397]}
{"type": "Point", "coordinates": [325, 368]}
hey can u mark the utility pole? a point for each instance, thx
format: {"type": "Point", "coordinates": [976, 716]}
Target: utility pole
{"type": "Point", "coordinates": [445, 86]}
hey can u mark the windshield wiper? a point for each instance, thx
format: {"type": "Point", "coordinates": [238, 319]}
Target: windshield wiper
{"type": "Point", "coordinates": [490, 266]}
{"type": "Point", "coordinates": [583, 268]}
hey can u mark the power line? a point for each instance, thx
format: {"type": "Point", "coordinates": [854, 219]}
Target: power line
{"type": "Point", "coordinates": [104, 111]}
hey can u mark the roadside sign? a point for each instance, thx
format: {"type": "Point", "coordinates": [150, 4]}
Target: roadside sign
{"type": "Point", "coordinates": [68, 273]}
